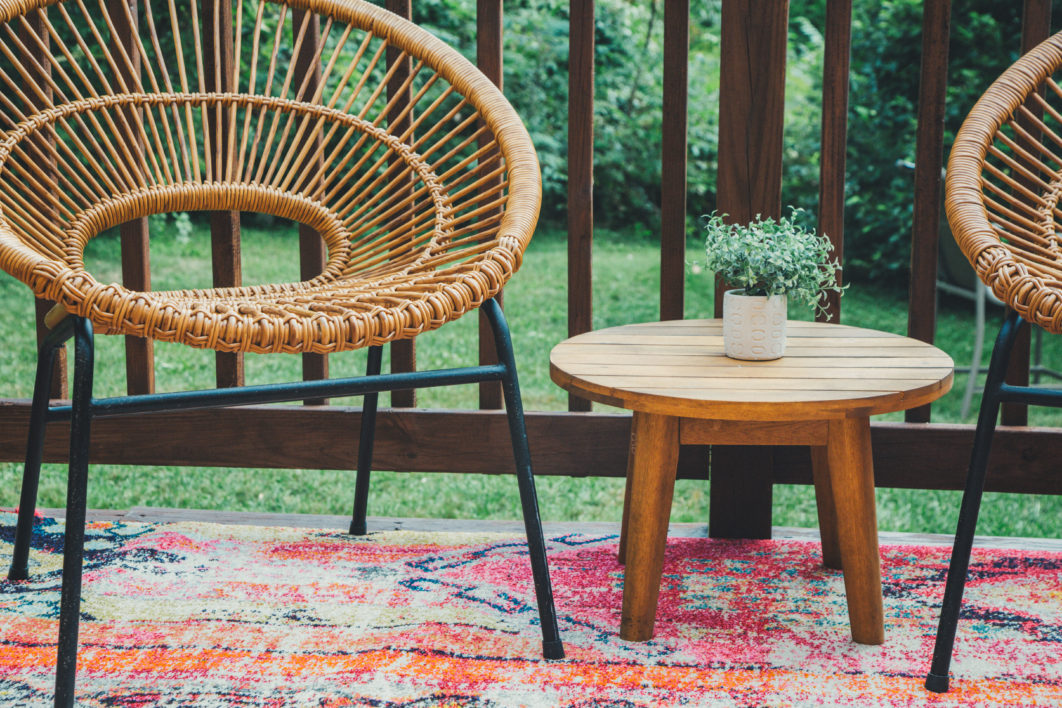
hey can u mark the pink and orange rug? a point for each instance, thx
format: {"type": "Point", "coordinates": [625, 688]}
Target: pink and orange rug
{"type": "Point", "coordinates": [211, 615]}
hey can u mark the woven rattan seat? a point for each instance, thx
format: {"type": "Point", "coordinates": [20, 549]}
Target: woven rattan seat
{"type": "Point", "coordinates": [425, 205]}
{"type": "Point", "coordinates": [1003, 187]}
{"type": "Point", "coordinates": [410, 165]}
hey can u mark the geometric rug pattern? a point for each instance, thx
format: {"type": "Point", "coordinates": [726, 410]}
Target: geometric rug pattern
{"type": "Point", "coordinates": [197, 614]}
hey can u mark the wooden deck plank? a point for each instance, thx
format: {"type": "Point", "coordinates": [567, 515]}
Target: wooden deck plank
{"type": "Point", "coordinates": [150, 514]}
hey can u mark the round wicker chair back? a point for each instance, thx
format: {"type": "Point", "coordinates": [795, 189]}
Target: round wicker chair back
{"type": "Point", "coordinates": [1003, 186]}
{"type": "Point", "coordinates": [412, 167]}
{"type": "Point", "coordinates": [1002, 194]}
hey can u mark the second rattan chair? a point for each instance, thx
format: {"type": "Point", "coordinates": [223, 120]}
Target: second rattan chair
{"type": "Point", "coordinates": [417, 174]}
{"type": "Point", "coordinates": [1003, 187]}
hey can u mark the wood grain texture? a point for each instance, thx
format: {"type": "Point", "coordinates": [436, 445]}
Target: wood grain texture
{"type": "Point", "coordinates": [620, 366]}
{"type": "Point", "coordinates": [216, 19]}
{"type": "Point", "coordinates": [312, 251]}
{"type": "Point", "coordinates": [311, 263]}
{"type": "Point", "coordinates": [135, 250]}
{"type": "Point", "coordinates": [654, 447]}
{"type": "Point", "coordinates": [320, 438]}
{"type": "Point", "coordinates": [403, 352]}
{"type": "Point", "coordinates": [700, 431]}
{"type": "Point", "coordinates": [851, 474]}
{"type": "Point", "coordinates": [1035, 23]}
{"type": "Point", "coordinates": [227, 269]}
{"type": "Point", "coordinates": [910, 456]}
{"type": "Point", "coordinates": [136, 275]}
{"type": "Point", "coordinates": [753, 44]}
{"type": "Point", "coordinates": [936, 456]}
{"type": "Point", "coordinates": [835, 73]}
{"type": "Point", "coordinates": [490, 60]}
{"type": "Point", "coordinates": [580, 173]}
{"type": "Point", "coordinates": [824, 504]}
{"type": "Point", "coordinates": [1035, 28]}
{"type": "Point", "coordinates": [751, 115]}
{"type": "Point", "coordinates": [928, 182]}
{"type": "Point", "coordinates": [621, 553]}
{"type": "Point", "coordinates": [673, 159]}
{"type": "Point", "coordinates": [631, 367]}
{"type": "Point", "coordinates": [29, 33]}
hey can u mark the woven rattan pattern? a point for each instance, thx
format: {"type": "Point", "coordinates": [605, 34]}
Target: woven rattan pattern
{"type": "Point", "coordinates": [416, 172]}
{"type": "Point", "coordinates": [1003, 186]}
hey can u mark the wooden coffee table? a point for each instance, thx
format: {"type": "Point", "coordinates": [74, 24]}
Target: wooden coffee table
{"type": "Point", "coordinates": [683, 390]}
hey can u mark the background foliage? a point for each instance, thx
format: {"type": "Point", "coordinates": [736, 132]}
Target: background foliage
{"type": "Point", "coordinates": [886, 55]}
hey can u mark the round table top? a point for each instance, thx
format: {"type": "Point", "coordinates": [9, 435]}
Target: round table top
{"type": "Point", "coordinates": [678, 368]}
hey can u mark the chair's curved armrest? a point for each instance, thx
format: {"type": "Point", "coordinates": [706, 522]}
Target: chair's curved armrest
{"type": "Point", "coordinates": [17, 258]}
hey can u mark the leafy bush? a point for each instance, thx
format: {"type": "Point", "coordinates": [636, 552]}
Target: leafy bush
{"type": "Point", "coordinates": [883, 116]}
{"type": "Point", "coordinates": [883, 106]}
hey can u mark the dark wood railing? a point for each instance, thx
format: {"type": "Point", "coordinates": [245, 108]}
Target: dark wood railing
{"type": "Point", "coordinates": [913, 454]}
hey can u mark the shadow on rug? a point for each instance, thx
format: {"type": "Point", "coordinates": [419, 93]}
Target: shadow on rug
{"type": "Point", "coordinates": [211, 615]}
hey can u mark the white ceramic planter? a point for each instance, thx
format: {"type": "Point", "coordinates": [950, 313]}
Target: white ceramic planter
{"type": "Point", "coordinates": [753, 326]}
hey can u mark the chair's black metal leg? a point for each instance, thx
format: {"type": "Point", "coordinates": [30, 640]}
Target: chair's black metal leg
{"type": "Point", "coordinates": [552, 647]}
{"type": "Point", "coordinates": [365, 443]}
{"type": "Point", "coordinates": [31, 473]}
{"type": "Point", "coordinates": [937, 679]}
{"type": "Point", "coordinates": [74, 542]}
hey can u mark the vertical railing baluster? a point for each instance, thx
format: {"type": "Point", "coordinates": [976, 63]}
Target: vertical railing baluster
{"type": "Point", "coordinates": [673, 159]}
{"type": "Point", "coordinates": [35, 20]}
{"type": "Point", "coordinates": [580, 173]}
{"type": "Point", "coordinates": [752, 111]}
{"type": "Point", "coordinates": [751, 116]}
{"type": "Point", "coordinates": [218, 61]}
{"type": "Point", "coordinates": [312, 250]}
{"type": "Point", "coordinates": [1035, 28]}
{"type": "Point", "coordinates": [136, 260]}
{"type": "Point", "coordinates": [136, 275]}
{"type": "Point", "coordinates": [403, 352]}
{"type": "Point", "coordinates": [835, 81]}
{"type": "Point", "coordinates": [929, 156]}
{"type": "Point", "coordinates": [489, 59]}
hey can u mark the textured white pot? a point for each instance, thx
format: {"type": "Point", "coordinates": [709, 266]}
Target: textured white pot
{"type": "Point", "coordinates": [753, 326]}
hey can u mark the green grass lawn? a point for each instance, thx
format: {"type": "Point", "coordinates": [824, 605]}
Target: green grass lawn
{"type": "Point", "coordinates": [626, 286]}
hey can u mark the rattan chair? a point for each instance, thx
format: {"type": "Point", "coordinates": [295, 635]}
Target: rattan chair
{"type": "Point", "coordinates": [1003, 186]}
{"type": "Point", "coordinates": [417, 174]}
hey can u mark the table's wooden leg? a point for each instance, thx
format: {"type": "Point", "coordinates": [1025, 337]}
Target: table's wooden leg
{"type": "Point", "coordinates": [652, 472]}
{"type": "Point", "coordinates": [820, 466]}
{"type": "Point", "coordinates": [851, 474]}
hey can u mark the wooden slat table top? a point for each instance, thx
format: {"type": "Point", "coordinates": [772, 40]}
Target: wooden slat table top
{"type": "Point", "coordinates": [678, 368]}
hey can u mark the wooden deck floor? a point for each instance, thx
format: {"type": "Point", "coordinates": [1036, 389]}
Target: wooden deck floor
{"type": "Point", "coordinates": [676, 530]}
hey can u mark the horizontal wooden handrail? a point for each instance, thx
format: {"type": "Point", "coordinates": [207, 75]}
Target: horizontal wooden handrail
{"type": "Point", "coordinates": [914, 456]}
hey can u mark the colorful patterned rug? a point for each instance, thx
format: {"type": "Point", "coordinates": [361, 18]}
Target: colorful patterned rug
{"type": "Point", "coordinates": [211, 615]}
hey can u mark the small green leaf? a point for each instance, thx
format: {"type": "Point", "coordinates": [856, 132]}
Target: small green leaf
{"type": "Point", "coordinates": [772, 257]}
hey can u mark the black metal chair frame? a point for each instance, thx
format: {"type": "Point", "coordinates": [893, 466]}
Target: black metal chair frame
{"type": "Point", "coordinates": [996, 392]}
{"type": "Point", "coordinates": [83, 409]}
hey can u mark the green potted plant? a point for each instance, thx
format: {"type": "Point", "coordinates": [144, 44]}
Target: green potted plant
{"type": "Point", "coordinates": [766, 261]}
